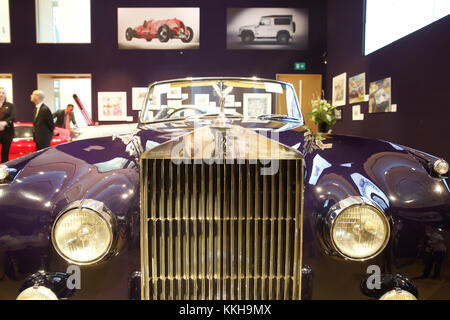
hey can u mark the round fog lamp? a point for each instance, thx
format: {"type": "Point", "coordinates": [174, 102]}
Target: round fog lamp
{"type": "Point", "coordinates": [360, 232]}
{"type": "Point", "coordinates": [398, 294]}
{"type": "Point", "coordinates": [440, 166]}
{"type": "Point", "coordinates": [83, 236]}
{"type": "Point", "coordinates": [37, 293]}
{"type": "Point", "coordinates": [3, 172]}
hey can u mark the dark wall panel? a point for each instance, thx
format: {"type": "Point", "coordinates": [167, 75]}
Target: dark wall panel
{"type": "Point", "coordinates": [120, 70]}
{"type": "Point", "coordinates": [419, 66]}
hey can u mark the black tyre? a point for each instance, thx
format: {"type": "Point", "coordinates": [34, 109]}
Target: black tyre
{"type": "Point", "coordinates": [283, 37]}
{"type": "Point", "coordinates": [129, 34]}
{"type": "Point", "coordinates": [148, 39]}
{"type": "Point", "coordinates": [247, 36]}
{"type": "Point", "coordinates": [190, 35]}
{"type": "Point", "coordinates": [163, 33]}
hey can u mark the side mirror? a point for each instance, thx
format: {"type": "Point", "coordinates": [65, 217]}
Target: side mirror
{"type": "Point", "coordinates": [55, 133]}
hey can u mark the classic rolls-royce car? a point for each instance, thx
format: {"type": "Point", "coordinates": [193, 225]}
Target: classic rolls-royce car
{"type": "Point", "coordinates": [221, 192]}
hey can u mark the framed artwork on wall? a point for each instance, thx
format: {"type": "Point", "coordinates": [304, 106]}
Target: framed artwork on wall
{"type": "Point", "coordinates": [201, 99]}
{"type": "Point", "coordinates": [174, 93]}
{"type": "Point", "coordinates": [256, 104]}
{"type": "Point", "coordinates": [357, 88]}
{"type": "Point", "coordinates": [267, 28]}
{"type": "Point", "coordinates": [158, 28]}
{"type": "Point", "coordinates": [112, 106]}
{"type": "Point", "coordinates": [339, 90]}
{"type": "Point", "coordinates": [380, 96]}
{"type": "Point", "coordinates": [138, 97]}
{"type": "Point", "coordinates": [356, 113]}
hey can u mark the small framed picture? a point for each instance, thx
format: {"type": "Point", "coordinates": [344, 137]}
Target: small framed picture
{"type": "Point", "coordinates": [339, 90]}
{"type": "Point", "coordinates": [357, 88]}
{"type": "Point", "coordinates": [174, 93]}
{"type": "Point", "coordinates": [256, 104]}
{"type": "Point", "coordinates": [380, 96]}
{"type": "Point", "coordinates": [229, 101]}
{"type": "Point", "coordinates": [201, 99]}
{"type": "Point", "coordinates": [138, 97]}
{"type": "Point", "coordinates": [112, 106]}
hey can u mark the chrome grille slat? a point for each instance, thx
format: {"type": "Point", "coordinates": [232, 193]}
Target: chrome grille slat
{"type": "Point", "coordinates": [240, 274]}
{"type": "Point", "coordinates": [170, 262]}
{"type": "Point", "coordinates": [221, 231]}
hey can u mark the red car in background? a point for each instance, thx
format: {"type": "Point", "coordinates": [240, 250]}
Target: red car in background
{"type": "Point", "coordinates": [24, 144]}
{"type": "Point", "coordinates": [161, 29]}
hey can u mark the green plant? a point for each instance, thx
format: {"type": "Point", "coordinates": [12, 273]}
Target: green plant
{"type": "Point", "coordinates": [323, 113]}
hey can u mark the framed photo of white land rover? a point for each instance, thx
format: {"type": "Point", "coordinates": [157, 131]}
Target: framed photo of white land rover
{"type": "Point", "coordinates": [267, 29]}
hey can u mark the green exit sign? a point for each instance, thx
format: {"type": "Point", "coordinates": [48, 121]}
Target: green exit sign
{"type": "Point", "coordinates": [300, 66]}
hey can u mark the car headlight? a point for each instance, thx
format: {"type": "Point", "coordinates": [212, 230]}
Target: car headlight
{"type": "Point", "coordinates": [3, 172]}
{"type": "Point", "coordinates": [37, 293]}
{"type": "Point", "coordinates": [357, 229]}
{"type": "Point", "coordinates": [83, 234]}
{"type": "Point", "coordinates": [398, 294]}
{"type": "Point", "coordinates": [440, 166]}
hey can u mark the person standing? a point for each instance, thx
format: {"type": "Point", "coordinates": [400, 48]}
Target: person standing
{"type": "Point", "coordinates": [7, 117]}
{"type": "Point", "coordinates": [64, 117]}
{"type": "Point", "coordinates": [42, 121]}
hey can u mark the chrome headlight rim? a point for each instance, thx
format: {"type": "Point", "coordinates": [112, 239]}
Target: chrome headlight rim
{"type": "Point", "coordinates": [103, 212]}
{"type": "Point", "coordinates": [37, 289]}
{"type": "Point", "coordinates": [3, 172]}
{"type": "Point", "coordinates": [396, 292]}
{"type": "Point", "coordinates": [340, 207]}
{"type": "Point", "coordinates": [438, 164]}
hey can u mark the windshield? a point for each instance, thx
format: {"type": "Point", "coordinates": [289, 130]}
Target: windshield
{"type": "Point", "coordinates": [22, 132]}
{"type": "Point", "coordinates": [240, 98]}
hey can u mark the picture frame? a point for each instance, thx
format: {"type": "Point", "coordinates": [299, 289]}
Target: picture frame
{"type": "Point", "coordinates": [380, 96]}
{"type": "Point", "coordinates": [201, 99]}
{"type": "Point", "coordinates": [357, 88]}
{"type": "Point", "coordinates": [339, 90]}
{"type": "Point", "coordinates": [257, 28]}
{"type": "Point", "coordinates": [174, 93]}
{"type": "Point", "coordinates": [256, 104]}
{"type": "Point", "coordinates": [138, 28]}
{"type": "Point", "coordinates": [112, 106]}
{"type": "Point", "coordinates": [138, 97]}
{"type": "Point", "coordinates": [229, 101]}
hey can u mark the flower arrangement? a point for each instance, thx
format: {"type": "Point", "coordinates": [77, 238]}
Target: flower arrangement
{"type": "Point", "coordinates": [323, 114]}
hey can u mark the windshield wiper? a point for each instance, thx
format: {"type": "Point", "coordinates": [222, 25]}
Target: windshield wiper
{"type": "Point", "coordinates": [280, 117]}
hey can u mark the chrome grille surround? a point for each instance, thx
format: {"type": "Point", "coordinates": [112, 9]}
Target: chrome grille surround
{"type": "Point", "coordinates": [221, 230]}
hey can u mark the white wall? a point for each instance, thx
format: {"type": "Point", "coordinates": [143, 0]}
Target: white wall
{"type": "Point", "coordinates": [73, 21]}
{"type": "Point", "coordinates": [390, 20]}
{"type": "Point", "coordinates": [5, 33]}
{"type": "Point", "coordinates": [69, 85]}
{"type": "Point", "coordinates": [44, 20]}
{"type": "Point", "coordinates": [82, 87]}
{"type": "Point", "coordinates": [45, 84]}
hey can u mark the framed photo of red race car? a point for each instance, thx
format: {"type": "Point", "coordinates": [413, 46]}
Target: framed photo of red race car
{"type": "Point", "coordinates": [158, 28]}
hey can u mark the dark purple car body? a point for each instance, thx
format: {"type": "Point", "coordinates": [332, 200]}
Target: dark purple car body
{"type": "Point", "coordinates": [42, 184]}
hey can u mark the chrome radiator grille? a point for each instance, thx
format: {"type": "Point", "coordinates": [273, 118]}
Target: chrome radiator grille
{"type": "Point", "coordinates": [221, 231]}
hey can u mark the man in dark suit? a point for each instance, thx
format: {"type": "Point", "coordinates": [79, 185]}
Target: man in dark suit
{"type": "Point", "coordinates": [64, 117]}
{"type": "Point", "coordinates": [42, 121]}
